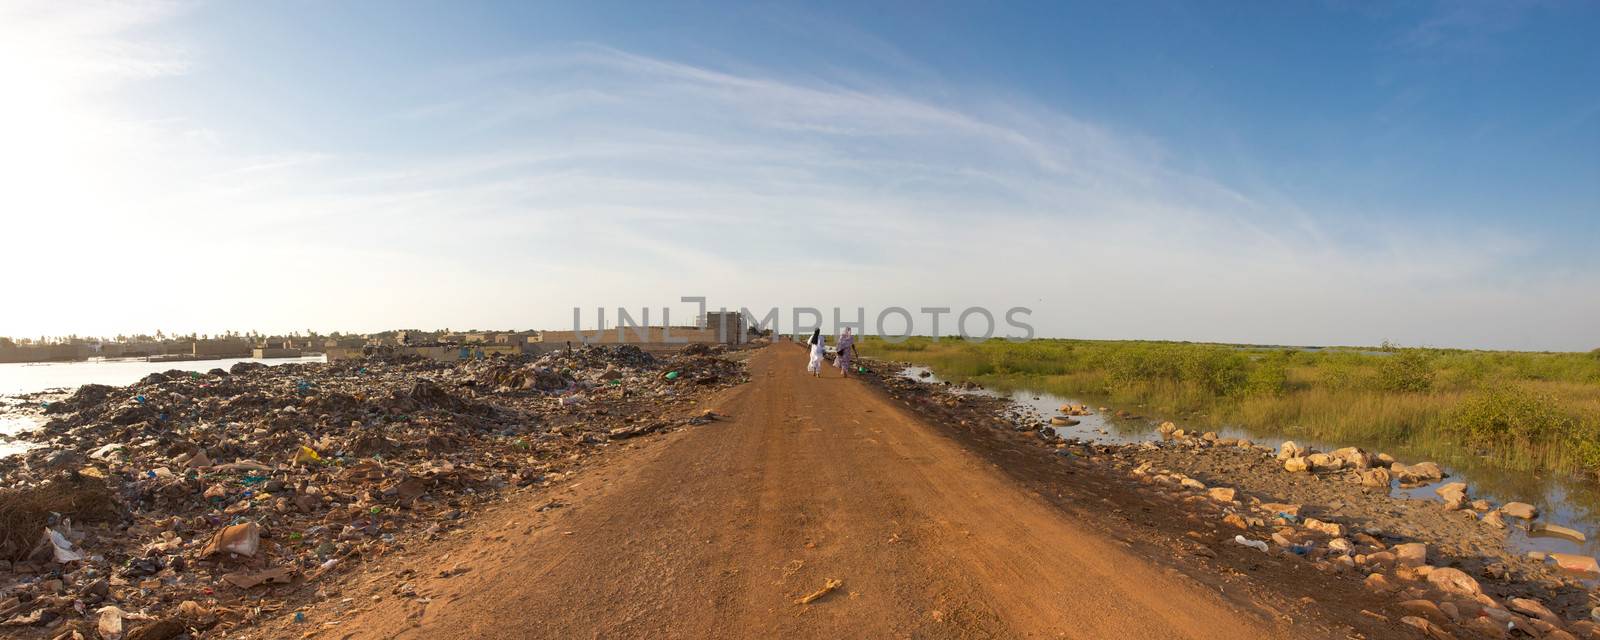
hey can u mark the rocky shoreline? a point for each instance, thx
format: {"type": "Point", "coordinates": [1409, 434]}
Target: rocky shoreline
{"type": "Point", "coordinates": [1441, 566]}
{"type": "Point", "coordinates": [201, 504]}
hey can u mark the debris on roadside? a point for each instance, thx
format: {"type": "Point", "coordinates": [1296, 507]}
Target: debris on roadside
{"type": "Point", "coordinates": [826, 589]}
{"type": "Point", "coordinates": [166, 504]}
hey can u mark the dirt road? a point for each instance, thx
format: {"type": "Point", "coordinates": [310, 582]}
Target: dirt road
{"type": "Point", "coordinates": [715, 531]}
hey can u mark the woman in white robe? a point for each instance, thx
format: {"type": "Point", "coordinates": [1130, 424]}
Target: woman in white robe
{"type": "Point", "coordinates": [819, 352]}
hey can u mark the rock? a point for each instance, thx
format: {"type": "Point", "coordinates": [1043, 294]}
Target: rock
{"type": "Point", "coordinates": [1494, 519]}
{"type": "Point", "coordinates": [1377, 478]}
{"type": "Point", "coordinates": [1531, 607]}
{"type": "Point", "coordinates": [1289, 450]}
{"type": "Point", "coordinates": [1520, 510]}
{"type": "Point", "coordinates": [1353, 457]}
{"type": "Point", "coordinates": [1419, 472]}
{"type": "Point", "coordinates": [1451, 489]}
{"type": "Point", "coordinates": [1486, 627]}
{"type": "Point", "coordinates": [1296, 465]}
{"type": "Point", "coordinates": [1454, 495]}
{"type": "Point", "coordinates": [1576, 562]}
{"type": "Point", "coordinates": [1412, 553]}
{"type": "Point", "coordinates": [1324, 462]}
{"type": "Point", "coordinates": [1455, 581]}
{"type": "Point", "coordinates": [1426, 609]}
{"type": "Point", "coordinates": [1275, 508]}
{"type": "Point", "coordinates": [1340, 545]}
{"type": "Point", "coordinates": [1451, 611]}
{"type": "Point", "coordinates": [1191, 483]}
{"type": "Point", "coordinates": [1166, 429]}
{"type": "Point", "coordinates": [1378, 584]}
{"type": "Point", "coordinates": [1331, 529]}
{"type": "Point", "coordinates": [1558, 530]}
{"type": "Point", "coordinates": [1429, 629]}
{"type": "Point", "coordinates": [1063, 421]}
{"type": "Point", "coordinates": [1234, 520]}
{"type": "Point", "coordinates": [1222, 494]}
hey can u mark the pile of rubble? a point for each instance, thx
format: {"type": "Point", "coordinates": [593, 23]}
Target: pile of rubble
{"type": "Point", "coordinates": [174, 505]}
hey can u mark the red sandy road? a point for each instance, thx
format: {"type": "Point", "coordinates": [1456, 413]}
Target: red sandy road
{"type": "Point", "coordinates": [715, 532]}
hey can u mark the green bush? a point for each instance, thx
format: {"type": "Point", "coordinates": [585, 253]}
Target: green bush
{"type": "Point", "coordinates": [1269, 377]}
{"type": "Point", "coordinates": [1506, 416]}
{"type": "Point", "coordinates": [1406, 370]}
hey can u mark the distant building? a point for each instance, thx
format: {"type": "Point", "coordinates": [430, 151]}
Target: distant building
{"type": "Point", "coordinates": [722, 328]}
{"type": "Point", "coordinates": [221, 348]}
{"type": "Point", "coordinates": [728, 326]}
{"type": "Point", "coordinates": [441, 352]}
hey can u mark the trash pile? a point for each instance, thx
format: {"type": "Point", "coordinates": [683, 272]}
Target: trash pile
{"type": "Point", "coordinates": [180, 503]}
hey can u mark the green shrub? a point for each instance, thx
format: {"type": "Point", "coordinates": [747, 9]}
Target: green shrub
{"type": "Point", "coordinates": [1508, 415]}
{"type": "Point", "coordinates": [1269, 377]}
{"type": "Point", "coordinates": [1406, 370]}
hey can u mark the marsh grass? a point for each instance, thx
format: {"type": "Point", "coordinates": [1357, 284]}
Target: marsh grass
{"type": "Point", "coordinates": [1507, 410]}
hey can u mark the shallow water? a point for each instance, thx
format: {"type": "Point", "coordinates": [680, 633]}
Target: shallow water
{"type": "Point", "coordinates": [32, 377]}
{"type": "Point", "coordinates": [18, 414]}
{"type": "Point", "coordinates": [1566, 501]}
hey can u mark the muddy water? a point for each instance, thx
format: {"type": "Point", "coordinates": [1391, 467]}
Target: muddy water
{"type": "Point", "coordinates": [1562, 500]}
{"type": "Point", "coordinates": [21, 414]}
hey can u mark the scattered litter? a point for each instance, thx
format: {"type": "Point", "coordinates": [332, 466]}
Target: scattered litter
{"type": "Point", "coordinates": [242, 580]}
{"type": "Point", "coordinates": [1258, 545]}
{"type": "Point", "coordinates": [826, 589]}
{"type": "Point", "coordinates": [241, 539]}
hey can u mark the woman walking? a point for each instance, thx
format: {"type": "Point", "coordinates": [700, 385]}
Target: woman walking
{"type": "Point", "coordinates": [818, 352]}
{"type": "Point", "coordinates": [846, 352]}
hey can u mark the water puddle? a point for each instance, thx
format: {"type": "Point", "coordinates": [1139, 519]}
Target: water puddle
{"type": "Point", "coordinates": [16, 416]}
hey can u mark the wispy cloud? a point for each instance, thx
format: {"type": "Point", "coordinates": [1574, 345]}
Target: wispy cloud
{"type": "Point", "coordinates": [589, 175]}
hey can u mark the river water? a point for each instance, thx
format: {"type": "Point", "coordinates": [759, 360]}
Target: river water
{"type": "Point", "coordinates": [1567, 501]}
{"type": "Point", "coordinates": [19, 414]}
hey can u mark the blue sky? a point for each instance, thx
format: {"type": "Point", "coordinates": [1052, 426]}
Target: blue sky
{"type": "Point", "coordinates": [1315, 173]}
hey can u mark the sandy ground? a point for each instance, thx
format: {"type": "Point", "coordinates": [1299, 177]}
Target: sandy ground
{"type": "Point", "coordinates": [716, 531]}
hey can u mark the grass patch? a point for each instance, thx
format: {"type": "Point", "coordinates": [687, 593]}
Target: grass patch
{"type": "Point", "coordinates": [1509, 410]}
